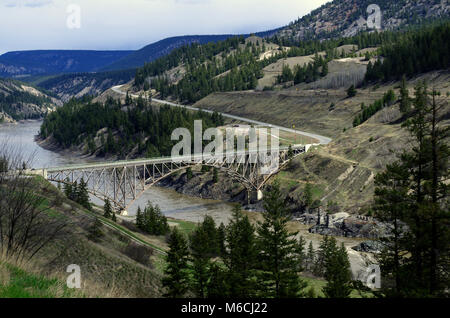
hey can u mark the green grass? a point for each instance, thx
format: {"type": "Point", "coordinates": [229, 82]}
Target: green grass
{"type": "Point", "coordinates": [185, 227]}
{"type": "Point", "coordinates": [318, 284]}
{"type": "Point", "coordinates": [21, 284]}
{"type": "Point", "coordinates": [317, 190]}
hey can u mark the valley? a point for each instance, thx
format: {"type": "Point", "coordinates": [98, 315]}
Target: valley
{"type": "Point", "coordinates": [353, 204]}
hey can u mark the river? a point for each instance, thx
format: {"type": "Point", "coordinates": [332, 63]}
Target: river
{"type": "Point", "coordinates": [172, 203]}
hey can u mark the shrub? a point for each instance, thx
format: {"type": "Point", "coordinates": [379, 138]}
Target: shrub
{"type": "Point", "coordinates": [139, 253]}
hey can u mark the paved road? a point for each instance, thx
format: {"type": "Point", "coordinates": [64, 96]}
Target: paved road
{"type": "Point", "coordinates": [322, 139]}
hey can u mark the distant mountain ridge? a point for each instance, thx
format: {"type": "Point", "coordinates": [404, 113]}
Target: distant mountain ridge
{"type": "Point", "coordinates": [46, 62]}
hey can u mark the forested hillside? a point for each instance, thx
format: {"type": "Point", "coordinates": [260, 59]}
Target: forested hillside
{"type": "Point", "coordinates": [123, 130]}
{"type": "Point", "coordinates": [19, 101]}
{"type": "Point", "coordinates": [232, 65]}
{"type": "Point", "coordinates": [414, 52]}
{"type": "Point", "coordinates": [161, 48]}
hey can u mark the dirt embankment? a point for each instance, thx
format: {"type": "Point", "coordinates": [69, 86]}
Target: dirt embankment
{"type": "Point", "coordinates": [202, 185]}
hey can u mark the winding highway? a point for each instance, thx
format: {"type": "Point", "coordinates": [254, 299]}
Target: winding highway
{"type": "Point", "coordinates": [322, 139]}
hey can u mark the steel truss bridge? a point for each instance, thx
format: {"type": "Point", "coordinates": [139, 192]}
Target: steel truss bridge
{"type": "Point", "coordinates": [123, 182]}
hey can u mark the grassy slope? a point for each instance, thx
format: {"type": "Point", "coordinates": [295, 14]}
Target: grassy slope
{"type": "Point", "coordinates": [18, 283]}
{"type": "Point", "coordinates": [106, 269]}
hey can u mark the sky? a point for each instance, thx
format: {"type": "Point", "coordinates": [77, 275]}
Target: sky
{"type": "Point", "coordinates": [132, 24]}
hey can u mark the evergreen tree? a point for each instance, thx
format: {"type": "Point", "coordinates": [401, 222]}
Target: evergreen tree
{"type": "Point", "coordinates": [217, 284]}
{"type": "Point", "coordinates": [82, 195]}
{"type": "Point", "coordinates": [200, 261]}
{"type": "Point", "coordinates": [68, 189]}
{"type": "Point", "coordinates": [221, 236]}
{"type": "Point", "coordinates": [321, 256]}
{"type": "Point", "coordinates": [301, 254]}
{"type": "Point", "coordinates": [176, 274]}
{"type": "Point", "coordinates": [405, 102]}
{"type": "Point", "coordinates": [338, 273]}
{"type": "Point", "coordinates": [392, 186]}
{"type": "Point", "coordinates": [108, 212]}
{"type": "Point", "coordinates": [240, 257]}
{"type": "Point", "coordinates": [351, 92]}
{"type": "Point", "coordinates": [215, 175]}
{"type": "Point", "coordinates": [189, 173]}
{"type": "Point", "coordinates": [306, 198]}
{"type": "Point", "coordinates": [152, 220]}
{"type": "Point", "coordinates": [389, 98]}
{"type": "Point", "coordinates": [278, 250]}
{"type": "Point", "coordinates": [310, 257]}
{"type": "Point", "coordinates": [324, 69]}
{"type": "Point", "coordinates": [139, 218]}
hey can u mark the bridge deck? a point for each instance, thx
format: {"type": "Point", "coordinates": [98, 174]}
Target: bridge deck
{"type": "Point", "coordinates": [137, 162]}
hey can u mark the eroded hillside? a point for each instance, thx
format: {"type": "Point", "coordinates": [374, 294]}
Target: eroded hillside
{"type": "Point", "coordinates": [21, 101]}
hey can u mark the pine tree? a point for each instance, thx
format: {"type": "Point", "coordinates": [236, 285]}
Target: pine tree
{"type": "Point", "coordinates": [200, 261]}
{"type": "Point", "coordinates": [405, 102]}
{"type": "Point", "coordinates": [189, 173]}
{"type": "Point", "coordinates": [139, 219]}
{"type": "Point", "coordinates": [82, 195]}
{"type": "Point", "coordinates": [108, 212]}
{"type": "Point", "coordinates": [310, 257]}
{"type": "Point", "coordinates": [301, 254]}
{"type": "Point", "coordinates": [221, 235]}
{"type": "Point", "coordinates": [438, 193]}
{"type": "Point", "coordinates": [176, 274]}
{"type": "Point", "coordinates": [278, 250]}
{"type": "Point", "coordinates": [215, 175]}
{"type": "Point", "coordinates": [217, 285]}
{"type": "Point", "coordinates": [324, 69]}
{"type": "Point", "coordinates": [351, 92]}
{"type": "Point", "coordinates": [152, 220]}
{"type": "Point", "coordinates": [337, 273]}
{"type": "Point", "coordinates": [68, 189]}
{"type": "Point", "coordinates": [321, 256]}
{"type": "Point", "coordinates": [307, 196]}
{"type": "Point", "coordinates": [240, 257]}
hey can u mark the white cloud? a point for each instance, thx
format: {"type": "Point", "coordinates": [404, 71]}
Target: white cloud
{"type": "Point", "coordinates": [26, 3]}
{"type": "Point", "coordinates": [131, 24]}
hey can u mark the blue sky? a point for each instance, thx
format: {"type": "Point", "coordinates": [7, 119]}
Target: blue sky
{"type": "Point", "coordinates": [132, 24]}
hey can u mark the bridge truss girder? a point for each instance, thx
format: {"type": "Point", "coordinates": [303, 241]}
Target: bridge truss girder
{"type": "Point", "coordinates": [124, 183]}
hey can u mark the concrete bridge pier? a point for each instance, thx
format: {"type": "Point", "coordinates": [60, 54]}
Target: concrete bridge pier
{"type": "Point", "coordinates": [254, 196]}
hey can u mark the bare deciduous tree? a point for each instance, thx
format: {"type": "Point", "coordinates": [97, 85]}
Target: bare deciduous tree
{"type": "Point", "coordinates": [27, 223]}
